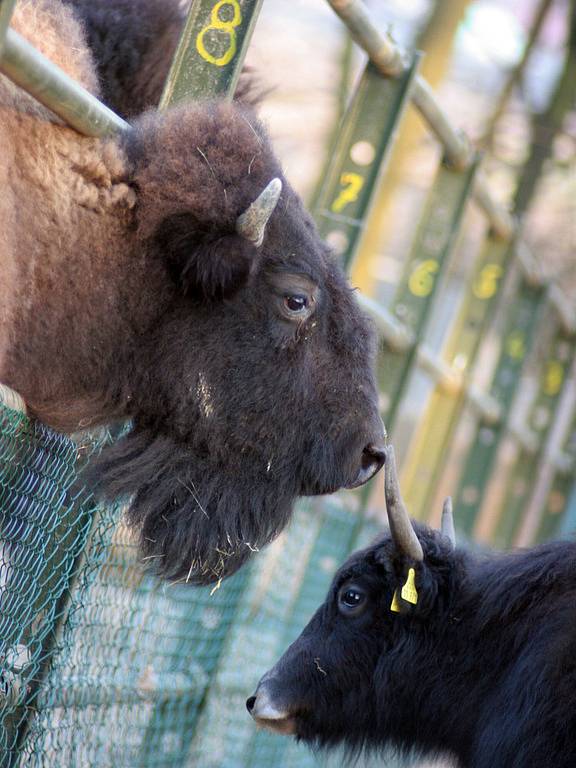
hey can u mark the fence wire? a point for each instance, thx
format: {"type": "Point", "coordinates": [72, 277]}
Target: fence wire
{"type": "Point", "coordinates": [104, 666]}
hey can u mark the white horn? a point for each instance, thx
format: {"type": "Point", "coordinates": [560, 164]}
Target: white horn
{"type": "Point", "coordinates": [252, 223]}
{"type": "Point", "coordinates": [447, 524]}
{"type": "Point", "coordinates": [401, 529]}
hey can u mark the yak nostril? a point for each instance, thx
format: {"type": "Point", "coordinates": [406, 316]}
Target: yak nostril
{"type": "Point", "coordinates": [374, 455]}
{"type": "Point", "coordinates": [250, 703]}
{"type": "Point", "coordinates": [372, 460]}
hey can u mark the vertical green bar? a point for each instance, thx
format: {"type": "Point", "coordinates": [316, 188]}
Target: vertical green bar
{"type": "Point", "coordinates": [435, 237]}
{"type": "Point", "coordinates": [517, 340]}
{"type": "Point", "coordinates": [211, 50]}
{"type": "Point", "coordinates": [6, 10]}
{"type": "Point", "coordinates": [427, 455]}
{"type": "Point", "coordinates": [555, 512]}
{"type": "Point", "coordinates": [568, 525]}
{"type": "Point", "coordinates": [359, 155]}
{"type": "Point", "coordinates": [540, 419]}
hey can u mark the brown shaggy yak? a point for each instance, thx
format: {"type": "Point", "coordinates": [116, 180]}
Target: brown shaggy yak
{"type": "Point", "coordinates": [171, 276]}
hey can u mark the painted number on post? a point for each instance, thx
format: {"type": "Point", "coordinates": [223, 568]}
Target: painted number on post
{"type": "Point", "coordinates": [553, 378]}
{"type": "Point", "coordinates": [226, 26]}
{"type": "Point", "coordinates": [421, 281]}
{"type": "Point", "coordinates": [352, 183]}
{"type": "Point", "coordinates": [486, 283]}
{"type": "Point", "coordinates": [515, 345]}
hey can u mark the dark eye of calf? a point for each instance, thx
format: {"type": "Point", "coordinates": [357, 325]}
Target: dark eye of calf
{"type": "Point", "coordinates": [352, 600]}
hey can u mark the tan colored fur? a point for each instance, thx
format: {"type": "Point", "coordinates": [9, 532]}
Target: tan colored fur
{"type": "Point", "coordinates": [63, 196]}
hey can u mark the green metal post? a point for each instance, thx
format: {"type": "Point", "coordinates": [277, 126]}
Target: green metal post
{"type": "Point", "coordinates": [424, 463]}
{"type": "Point", "coordinates": [540, 419]}
{"type": "Point", "coordinates": [517, 341]}
{"type": "Point", "coordinates": [553, 515]}
{"type": "Point", "coordinates": [211, 50]}
{"type": "Point", "coordinates": [359, 156]}
{"type": "Point", "coordinates": [6, 10]}
{"type": "Point", "coordinates": [433, 243]}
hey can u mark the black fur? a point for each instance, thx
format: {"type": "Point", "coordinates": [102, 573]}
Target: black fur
{"type": "Point", "coordinates": [483, 669]}
{"type": "Point", "coordinates": [133, 43]}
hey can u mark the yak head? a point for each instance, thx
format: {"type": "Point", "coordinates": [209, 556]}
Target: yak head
{"type": "Point", "coordinates": [255, 383]}
{"type": "Point", "coordinates": [352, 676]}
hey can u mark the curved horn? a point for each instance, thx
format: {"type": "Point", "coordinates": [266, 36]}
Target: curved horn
{"type": "Point", "coordinates": [401, 529]}
{"type": "Point", "coordinates": [252, 223]}
{"type": "Point", "coordinates": [447, 524]}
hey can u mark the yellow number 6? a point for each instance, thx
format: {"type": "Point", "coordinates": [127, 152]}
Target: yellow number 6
{"type": "Point", "coordinates": [486, 284]}
{"type": "Point", "coordinates": [421, 280]}
{"type": "Point", "coordinates": [226, 26]}
{"type": "Point", "coordinates": [553, 377]}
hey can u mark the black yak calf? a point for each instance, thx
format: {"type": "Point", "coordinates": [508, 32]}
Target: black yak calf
{"type": "Point", "coordinates": [420, 645]}
{"type": "Point", "coordinates": [171, 276]}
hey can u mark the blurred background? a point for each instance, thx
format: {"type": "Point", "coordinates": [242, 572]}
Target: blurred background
{"type": "Point", "coordinates": [144, 673]}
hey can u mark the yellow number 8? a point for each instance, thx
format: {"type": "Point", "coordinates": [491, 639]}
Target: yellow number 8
{"type": "Point", "coordinates": [226, 26]}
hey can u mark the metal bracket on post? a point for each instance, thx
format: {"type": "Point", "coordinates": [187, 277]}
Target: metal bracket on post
{"type": "Point", "coordinates": [359, 157]}
{"type": "Point", "coordinates": [518, 336]}
{"type": "Point", "coordinates": [212, 47]}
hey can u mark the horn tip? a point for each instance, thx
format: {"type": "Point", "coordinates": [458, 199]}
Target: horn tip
{"type": "Point", "coordinates": [276, 185]}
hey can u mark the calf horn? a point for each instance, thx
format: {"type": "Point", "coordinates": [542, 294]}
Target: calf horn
{"type": "Point", "coordinates": [447, 524]}
{"type": "Point", "coordinates": [252, 223]}
{"type": "Point", "coordinates": [401, 529]}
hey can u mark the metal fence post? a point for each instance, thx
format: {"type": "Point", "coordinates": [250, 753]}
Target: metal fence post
{"type": "Point", "coordinates": [427, 454]}
{"type": "Point", "coordinates": [539, 420]}
{"type": "Point", "coordinates": [518, 335]}
{"type": "Point", "coordinates": [359, 157]}
{"type": "Point", "coordinates": [212, 47]}
{"type": "Point", "coordinates": [433, 243]}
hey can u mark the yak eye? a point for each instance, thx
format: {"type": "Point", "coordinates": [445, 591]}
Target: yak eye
{"type": "Point", "coordinates": [351, 600]}
{"type": "Point", "coordinates": [296, 303]}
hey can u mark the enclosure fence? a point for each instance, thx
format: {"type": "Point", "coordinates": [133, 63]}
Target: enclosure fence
{"type": "Point", "coordinates": [103, 665]}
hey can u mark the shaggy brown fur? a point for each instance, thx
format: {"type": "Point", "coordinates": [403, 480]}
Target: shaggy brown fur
{"type": "Point", "coordinates": [129, 294]}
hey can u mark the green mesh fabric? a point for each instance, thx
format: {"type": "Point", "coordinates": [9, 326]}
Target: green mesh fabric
{"type": "Point", "coordinates": [102, 664]}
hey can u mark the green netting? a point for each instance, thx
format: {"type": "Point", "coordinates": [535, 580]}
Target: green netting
{"type": "Point", "coordinates": [104, 665]}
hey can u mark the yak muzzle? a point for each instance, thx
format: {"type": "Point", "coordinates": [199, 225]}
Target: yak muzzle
{"type": "Point", "coordinates": [268, 713]}
{"type": "Point", "coordinates": [371, 462]}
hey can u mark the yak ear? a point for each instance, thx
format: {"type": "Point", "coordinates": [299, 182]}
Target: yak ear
{"type": "Point", "coordinates": [202, 261]}
{"type": "Point", "coordinates": [413, 584]}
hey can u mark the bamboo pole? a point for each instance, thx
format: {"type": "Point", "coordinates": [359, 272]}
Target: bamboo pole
{"type": "Point", "coordinates": [53, 88]}
{"type": "Point", "coordinates": [390, 61]}
{"type": "Point", "coordinates": [516, 73]}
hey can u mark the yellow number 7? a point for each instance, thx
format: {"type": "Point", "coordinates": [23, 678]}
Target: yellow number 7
{"type": "Point", "coordinates": [353, 184]}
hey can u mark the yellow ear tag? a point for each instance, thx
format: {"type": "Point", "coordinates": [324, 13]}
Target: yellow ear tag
{"type": "Point", "coordinates": [396, 607]}
{"type": "Point", "coordinates": [409, 592]}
